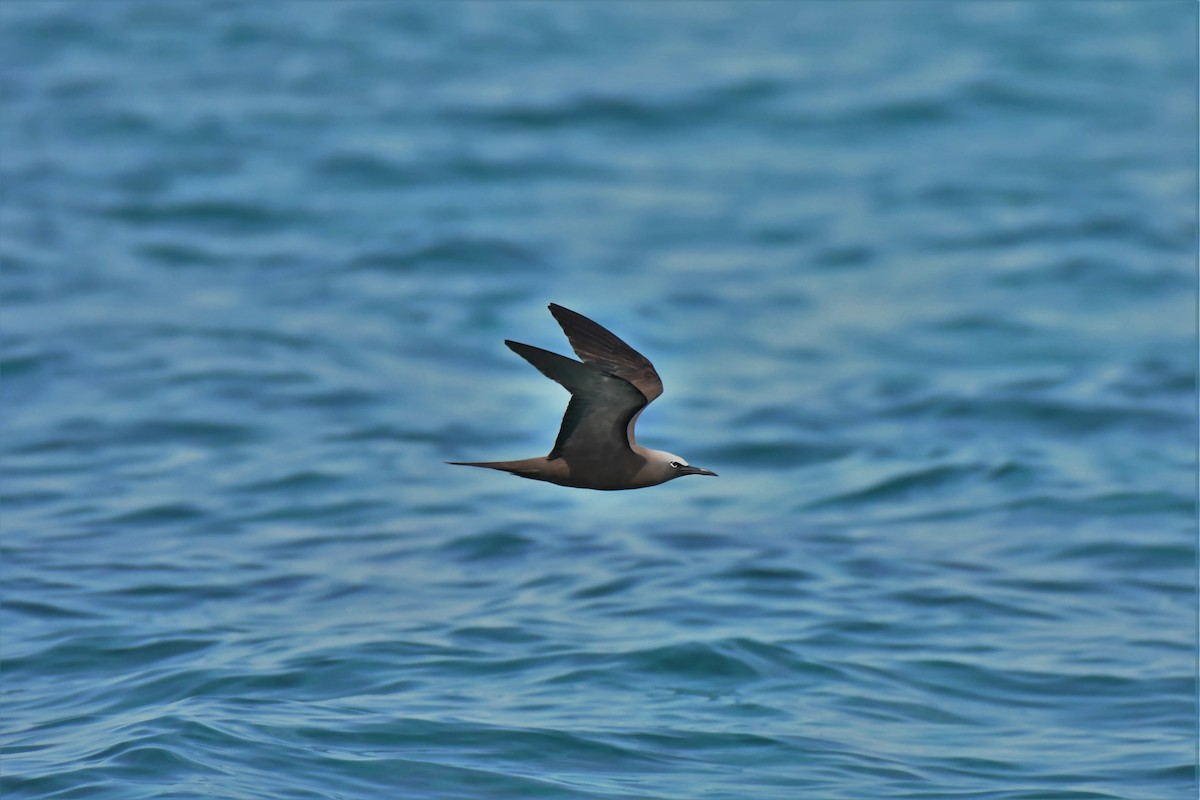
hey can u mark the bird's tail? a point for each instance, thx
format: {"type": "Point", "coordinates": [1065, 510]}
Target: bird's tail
{"type": "Point", "coordinates": [527, 467]}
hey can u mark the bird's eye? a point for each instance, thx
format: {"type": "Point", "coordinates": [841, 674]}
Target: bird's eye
{"type": "Point", "coordinates": [675, 465]}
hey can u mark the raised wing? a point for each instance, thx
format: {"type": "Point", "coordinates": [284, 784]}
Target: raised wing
{"type": "Point", "coordinates": [595, 425]}
{"type": "Point", "coordinates": [599, 348]}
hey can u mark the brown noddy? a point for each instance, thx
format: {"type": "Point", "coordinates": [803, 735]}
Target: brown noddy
{"type": "Point", "coordinates": [595, 448]}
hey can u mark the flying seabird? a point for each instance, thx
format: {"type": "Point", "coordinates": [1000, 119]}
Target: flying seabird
{"type": "Point", "coordinates": [595, 448]}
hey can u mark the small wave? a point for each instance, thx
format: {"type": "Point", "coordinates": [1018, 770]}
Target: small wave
{"type": "Point", "coordinates": [175, 254]}
{"type": "Point", "coordinates": [691, 661]}
{"type": "Point", "coordinates": [13, 367]}
{"type": "Point", "coordinates": [344, 511]}
{"type": "Point", "coordinates": [906, 112]}
{"type": "Point", "coordinates": [893, 710]}
{"type": "Point", "coordinates": [455, 252]}
{"type": "Point", "coordinates": [1105, 505]}
{"type": "Point", "coordinates": [776, 455]}
{"type": "Point", "coordinates": [737, 660]}
{"type": "Point", "coordinates": [1097, 229]}
{"type": "Point", "coordinates": [757, 580]}
{"type": "Point", "coordinates": [499, 634]}
{"type": "Point", "coordinates": [624, 109]}
{"type": "Point", "coordinates": [1016, 95]}
{"type": "Point", "coordinates": [368, 170]}
{"type": "Point", "coordinates": [225, 216]}
{"type": "Point", "coordinates": [1097, 276]}
{"type": "Point", "coordinates": [342, 398]}
{"type": "Point", "coordinates": [1061, 416]}
{"type": "Point", "coordinates": [984, 324]}
{"type": "Point", "coordinates": [697, 540]}
{"type": "Point", "coordinates": [844, 257]}
{"type": "Point", "coordinates": [164, 514]}
{"type": "Point", "coordinates": [1153, 377]}
{"type": "Point", "coordinates": [1161, 558]}
{"type": "Point", "coordinates": [606, 589]}
{"type": "Point", "coordinates": [192, 431]}
{"type": "Point", "coordinates": [905, 485]}
{"type": "Point", "coordinates": [47, 610]}
{"type": "Point", "coordinates": [300, 481]}
{"type": "Point", "coordinates": [966, 606]}
{"type": "Point", "coordinates": [499, 544]}
{"type": "Point", "coordinates": [87, 653]}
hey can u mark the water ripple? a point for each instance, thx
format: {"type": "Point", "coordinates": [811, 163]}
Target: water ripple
{"type": "Point", "coordinates": [921, 289]}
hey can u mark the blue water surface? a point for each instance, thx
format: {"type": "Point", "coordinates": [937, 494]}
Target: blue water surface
{"type": "Point", "coordinates": [920, 281]}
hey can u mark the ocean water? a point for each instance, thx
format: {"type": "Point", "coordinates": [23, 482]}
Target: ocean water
{"type": "Point", "coordinates": [920, 280]}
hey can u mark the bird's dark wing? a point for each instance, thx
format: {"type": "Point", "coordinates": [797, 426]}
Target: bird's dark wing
{"type": "Point", "coordinates": [595, 425]}
{"type": "Point", "coordinates": [599, 348]}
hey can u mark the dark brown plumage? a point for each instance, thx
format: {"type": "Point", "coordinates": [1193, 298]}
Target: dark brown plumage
{"type": "Point", "coordinates": [610, 387]}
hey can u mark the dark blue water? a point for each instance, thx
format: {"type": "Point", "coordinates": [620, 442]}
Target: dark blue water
{"type": "Point", "coordinates": [919, 279]}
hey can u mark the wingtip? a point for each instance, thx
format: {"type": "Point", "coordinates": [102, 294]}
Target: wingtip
{"type": "Point", "coordinates": [567, 318]}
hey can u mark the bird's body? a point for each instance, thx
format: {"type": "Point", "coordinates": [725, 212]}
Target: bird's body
{"type": "Point", "coordinates": [609, 387]}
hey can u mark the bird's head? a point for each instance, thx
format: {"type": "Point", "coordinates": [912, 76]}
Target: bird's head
{"type": "Point", "coordinates": [668, 466]}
